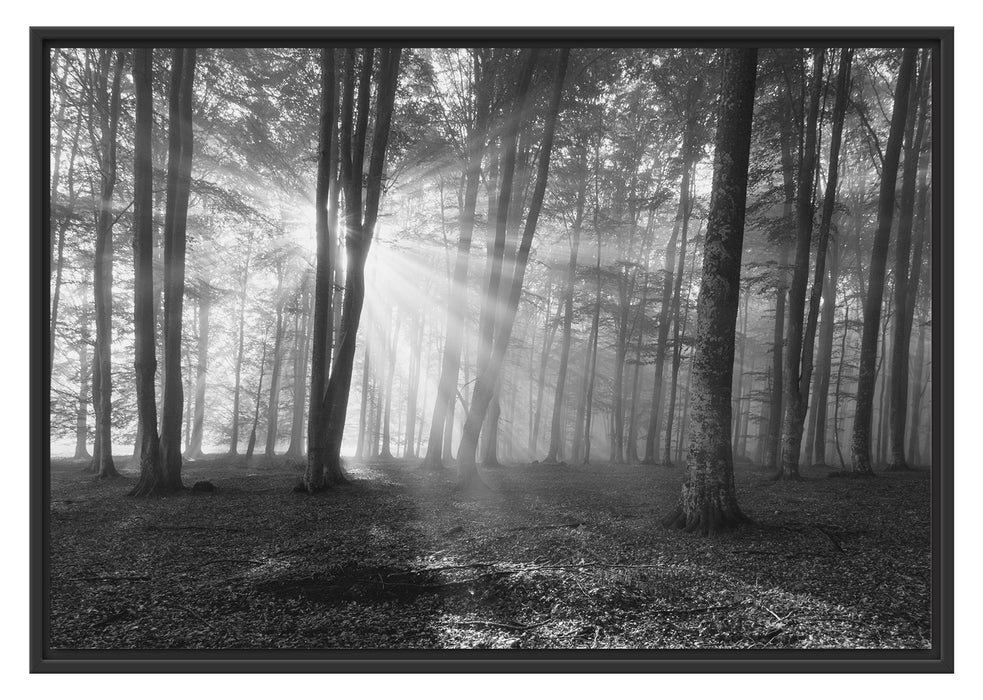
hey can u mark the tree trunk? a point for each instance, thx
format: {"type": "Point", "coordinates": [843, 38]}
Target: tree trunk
{"type": "Point", "coordinates": [301, 347]}
{"type": "Point", "coordinates": [251, 445]}
{"type": "Point", "coordinates": [273, 408]}
{"type": "Point", "coordinates": [234, 440]}
{"type": "Point", "coordinates": [488, 379]}
{"type": "Point", "coordinates": [457, 306]}
{"type": "Point", "coordinates": [363, 416]}
{"type": "Point", "coordinates": [709, 502]}
{"type": "Point", "coordinates": [413, 388]}
{"type": "Point", "coordinates": [394, 340]}
{"type": "Point", "coordinates": [685, 208]}
{"type": "Point", "coordinates": [360, 228]}
{"type": "Point", "coordinates": [903, 285]}
{"type": "Point", "coordinates": [325, 268]}
{"type": "Point", "coordinates": [144, 314]}
{"type": "Point", "coordinates": [799, 359]}
{"type": "Point", "coordinates": [103, 273]}
{"type": "Point", "coordinates": [816, 440]}
{"type": "Point", "coordinates": [82, 410]}
{"type": "Point", "coordinates": [180, 152]}
{"type": "Point", "coordinates": [198, 424]}
{"type": "Point", "coordinates": [860, 447]}
{"type": "Point", "coordinates": [561, 377]}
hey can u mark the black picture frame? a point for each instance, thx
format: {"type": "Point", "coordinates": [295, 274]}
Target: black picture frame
{"type": "Point", "coordinates": [938, 659]}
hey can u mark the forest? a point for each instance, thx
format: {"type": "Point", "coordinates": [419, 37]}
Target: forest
{"type": "Point", "coordinates": [468, 347]}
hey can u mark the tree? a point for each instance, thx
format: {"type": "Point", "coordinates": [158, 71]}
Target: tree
{"type": "Point", "coordinates": [326, 432]}
{"type": "Point", "coordinates": [180, 150]}
{"type": "Point", "coordinates": [487, 379]}
{"type": "Point", "coordinates": [906, 286]}
{"type": "Point", "coordinates": [108, 90]}
{"type": "Point", "coordinates": [152, 480]}
{"type": "Point", "coordinates": [709, 503]}
{"type": "Point", "coordinates": [793, 400]}
{"type": "Point", "coordinates": [860, 443]}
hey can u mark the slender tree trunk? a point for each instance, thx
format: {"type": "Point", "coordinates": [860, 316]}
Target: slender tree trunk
{"type": "Point", "coordinates": [457, 306]}
{"type": "Point", "coordinates": [709, 502]}
{"type": "Point", "coordinates": [234, 440]}
{"type": "Point", "coordinates": [144, 314]}
{"type": "Point", "coordinates": [816, 440]}
{"type": "Point", "coordinates": [914, 448]}
{"type": "Point", "coordinates": [251, 445]}
{"type": "Point", "coordinates": [860, 447]}
{"type": "Point", "coordinates": [798, 369]}
{"type": "Point", "coordinates": [413, 388]}
{"type": "Point", "coordinates": [103, 273]}
{"type": "Point", "coordinates": [739, 386]}
{"type": "Point", "coordinates": [360, 230]}
{"type": "Point", "coordinates": [302, 345]}
{"type": "Point", "coordinates": [363, 409]}
{"type": "Point", "coordinates": [198, 424]}
{"type": "Point", "coordinates": [561, 377]}
{"type": "Point", "coordinates": [180, 152]}
{"type": "Point", "coordinates": [548, 333]}
{"type": "Point", "coordinates": [903, 285]}
{"type": "Point", "coordinates": [386, 448]}
{"type": "Point", "coordinates": [273, 409]}
{"type": "Point", "coordinates": [685, 205]}
{"type": "Point", "coordinates": [487, 380]}
{"type": "Point", "coordinates": [82, 411]}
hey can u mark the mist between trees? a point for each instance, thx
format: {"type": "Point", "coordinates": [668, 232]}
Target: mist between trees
{"type": "Point", "coordinates": [461, 257]}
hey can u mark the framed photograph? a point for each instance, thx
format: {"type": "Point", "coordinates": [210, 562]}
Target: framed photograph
{"type": "Point", "coordinates": [477, 349]}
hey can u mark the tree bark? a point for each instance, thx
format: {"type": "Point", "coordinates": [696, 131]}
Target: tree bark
{"type": "Point", "coordinates": [103, 273]}
{"type": "Point", "coordinates": [323, 309]}
{"type": "Point", "coordinates": [709, 502]}
{"type": "Point", "coordinates": [144, 314]}
{"type": "Point", "coordinates": [860, 447]}
{"type": "Point", "coordinates": [905, 286]}
{"type": "Point", "coordinates": [487, 380]}
{"type": "Point", "coordinates": [360, 229]}
{"type": "Point", "coordinates": [198, 423]}
{"type": "Point", "coordinates": [243, 285]}
{"type": "Point", "coordinates": [457, 306]}
{"type": "Point", "coordinates": [301, 347]}
{"type": "Point", "coordinates": [798, 369]}
{"type": "Point", "coordinates": [180, 152]}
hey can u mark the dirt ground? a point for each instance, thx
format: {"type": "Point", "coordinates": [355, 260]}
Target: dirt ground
{"type": "Point", "coordinates": [553, 557]}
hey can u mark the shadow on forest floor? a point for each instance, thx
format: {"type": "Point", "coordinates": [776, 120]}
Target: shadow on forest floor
{"type": "Point", "coordinates": [553, 557]}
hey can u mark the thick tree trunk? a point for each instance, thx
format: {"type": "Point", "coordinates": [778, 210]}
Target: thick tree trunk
{"type": "Point", "coordinates": [180, 152]}
{"type": "Point", "coordinates": [709, 501]}
{"type": "Point", "coordinates": [82, 409]}
{"type": "Point", "coordinates": [860, 447]}
{"type": "Point", "coordinates": [325, 268]}
{"type": "Point", "coordinates": [144, 314]}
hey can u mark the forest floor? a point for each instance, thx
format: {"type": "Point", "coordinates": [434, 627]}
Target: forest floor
{"type": "Point", "coordinates": [552, 557]}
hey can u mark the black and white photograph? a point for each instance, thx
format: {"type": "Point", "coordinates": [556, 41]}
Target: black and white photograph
{"type": "Point", "coordinates": [419, 343]}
